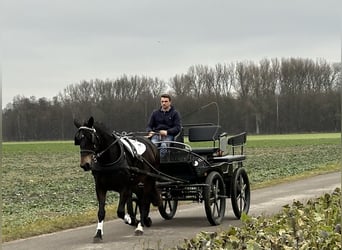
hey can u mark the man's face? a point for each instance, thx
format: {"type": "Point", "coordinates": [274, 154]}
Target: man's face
{"type": "Point", "coordinates": [165, 103]}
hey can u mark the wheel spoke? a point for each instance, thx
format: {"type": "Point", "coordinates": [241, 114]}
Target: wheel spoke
{"type": "Point", "coordinates": [214, 198]}
{"type": "Point", "coordinates": [241, 204]}
{"type": "Point", "coordinates": [216, 208]}
{"type": "Point", "coordinates": [168, 206]}
{"type": "Point", "coordinates": [240, 183]}
{"type": "Point", "coordinates": [240, 196]}
{"type": "Point", "coordinates": [241, 192]}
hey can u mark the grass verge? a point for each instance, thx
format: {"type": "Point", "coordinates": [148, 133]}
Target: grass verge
{"type": "Point", "coordinates": [44, 190]}
{"type": "Point", "coordinates": [55, 224]}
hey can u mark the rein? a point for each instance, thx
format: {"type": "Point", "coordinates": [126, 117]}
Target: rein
{"type": "Point", "coordinates": [109, 146]}
{"type": "Point", "coordinates": [155, 172]}
{"type": "Point", "coordinates": [120, 159]}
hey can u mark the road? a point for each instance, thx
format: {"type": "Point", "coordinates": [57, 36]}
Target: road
{"type": "Point", "coordinates": [189, 220]}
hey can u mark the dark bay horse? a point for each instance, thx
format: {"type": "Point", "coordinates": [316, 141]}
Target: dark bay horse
{"type": "Point", "coordinates": [121, 169]}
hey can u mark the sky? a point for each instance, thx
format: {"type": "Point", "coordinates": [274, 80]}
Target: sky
{"type": "Point", "coordinates": [48, 45]}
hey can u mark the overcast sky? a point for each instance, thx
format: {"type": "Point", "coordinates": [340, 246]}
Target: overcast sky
{"type": "Point", "coordinates": [48, 45]}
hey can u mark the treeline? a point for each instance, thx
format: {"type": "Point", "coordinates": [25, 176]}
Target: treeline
{"type": "Point", "coordinates": [288, 95]}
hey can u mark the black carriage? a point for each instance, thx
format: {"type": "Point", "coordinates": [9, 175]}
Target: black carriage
{"type": "Point", "coordinates": [209, 175]}
{"type": "Point", "coordinates": [125, 164]}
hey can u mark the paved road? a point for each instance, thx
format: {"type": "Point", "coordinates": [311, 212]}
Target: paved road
{"type": "Point", "coordinates": [189, 220]}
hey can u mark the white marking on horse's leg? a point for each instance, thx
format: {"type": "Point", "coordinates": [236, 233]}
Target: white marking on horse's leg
{"type": "Point", "coordinates": [100, 227]}
{"type": "Point", "coordinates": [139, 229]}
{"type": "Point", "coordinates": [127, 219]}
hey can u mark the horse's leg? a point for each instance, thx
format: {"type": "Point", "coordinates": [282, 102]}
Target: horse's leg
{"type": "Point", "coordinates": [121, 206]}
{"type": "Point", "coordinates": [144, 206]}
{"type": "Point", "coordinates": [126, 200]}
{"type": "Point", "coordinates": [139, 230]}
{"type": "Point", "coordinates": [101, 197]}
{"type": "Point", "coordinates": [131, 215]}
{"type": "Point", "coordinates": [156, 198]}
{"type": "Point", "coordinates": [147, 219]}
{"type": "Point", "coordinates": [128, 216]}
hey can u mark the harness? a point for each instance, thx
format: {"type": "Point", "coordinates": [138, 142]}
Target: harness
{"type": "Point", "coordinates": [133, 146]}
{"type": "Point", "coordinates": [121, 163]}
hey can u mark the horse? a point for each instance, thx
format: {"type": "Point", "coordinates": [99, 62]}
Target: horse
{"type": "Point", "coordinates": [120, 168]}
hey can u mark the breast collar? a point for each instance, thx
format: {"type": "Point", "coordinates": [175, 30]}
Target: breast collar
{"type": "Point", "coordinates": [118, 163]}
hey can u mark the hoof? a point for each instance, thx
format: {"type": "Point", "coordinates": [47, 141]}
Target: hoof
{"type": "Point", "coordinates": [131, 221]}
{"type": "Point", "coordinates": [98, 236]}
{"type": "Point", "coordinates": [138, 232]}
{"type": "Point", "coordinates": [127, 219]}
{"type": "Point", "coordinates": [148, 222]}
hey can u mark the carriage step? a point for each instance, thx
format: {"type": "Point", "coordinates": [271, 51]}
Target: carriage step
{"type": "Point", "coordinates": [229, 158]}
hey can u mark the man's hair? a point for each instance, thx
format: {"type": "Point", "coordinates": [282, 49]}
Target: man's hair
{"type": "Point", "coordinates": [166, 96]}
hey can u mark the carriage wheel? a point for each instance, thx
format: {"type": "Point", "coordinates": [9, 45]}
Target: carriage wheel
{"type": "Point", "coordinates": [215, 198]}
{"type": "Point", "coordinates": [240, 194]}
{"type": "Point", "coordinates": [168, 209]}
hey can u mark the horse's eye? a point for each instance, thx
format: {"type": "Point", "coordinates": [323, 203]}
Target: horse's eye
{"type": "Point", "coordinates": [78, 137]}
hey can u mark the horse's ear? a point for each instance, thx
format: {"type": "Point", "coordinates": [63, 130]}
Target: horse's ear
{"type": "Point", "coordinates": [77, 123]}
{"type": "Point", "coordinates": [90, 122]}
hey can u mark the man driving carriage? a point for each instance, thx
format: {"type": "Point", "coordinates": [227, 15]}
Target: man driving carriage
{"type": "Point", "coordinates": [164, 123]}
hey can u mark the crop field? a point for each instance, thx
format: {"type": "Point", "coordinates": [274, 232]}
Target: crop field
{"type": "Point", "coordinates": [45, 190]}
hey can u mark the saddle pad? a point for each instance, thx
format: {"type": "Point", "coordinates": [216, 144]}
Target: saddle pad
{"type": "Point", "coordinates": [138, 147]}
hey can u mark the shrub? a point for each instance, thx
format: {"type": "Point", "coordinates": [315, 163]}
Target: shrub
{"type": "Point", "coordinates": [315, 225]}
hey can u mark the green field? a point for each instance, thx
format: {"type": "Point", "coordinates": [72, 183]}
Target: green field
{"type": "Point", "coordinates": [45, 190]}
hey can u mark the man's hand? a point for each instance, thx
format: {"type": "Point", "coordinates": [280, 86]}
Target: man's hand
{"type": "Point", "coordinates": [163, 132]}
{"type": "Point", "coordinates": [150, 134]}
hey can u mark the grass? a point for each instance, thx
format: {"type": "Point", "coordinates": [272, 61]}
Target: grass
{"type": "Point", "coordinates": [295, 136]}
{"type": "Point", "coordinates": [44, 189]}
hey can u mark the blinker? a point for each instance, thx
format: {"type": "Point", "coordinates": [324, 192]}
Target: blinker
{"type": "Point", "coordinates": [77, 142]}
{"type": "Point", "coordinates": [78, 137]}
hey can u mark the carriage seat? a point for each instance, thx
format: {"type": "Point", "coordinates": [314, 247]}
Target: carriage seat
{"type": "Point", "coordinates": [237, 143]}
{"type": "Point", "coordinates": [203, 134]}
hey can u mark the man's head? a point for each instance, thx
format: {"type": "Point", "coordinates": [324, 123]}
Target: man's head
{"type": "Point", "coordinates": [165, 101]}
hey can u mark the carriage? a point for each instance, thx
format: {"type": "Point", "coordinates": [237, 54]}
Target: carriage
{"type": "Point", "coordinates": [186, 172]}
{"type": "Point", "coordinates": [208, 175]}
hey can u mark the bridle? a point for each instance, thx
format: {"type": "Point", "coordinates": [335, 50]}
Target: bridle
{"type": "Point", "coordinates": [79, 136]}
{"type": "Point", "coordinates": [95, 141]}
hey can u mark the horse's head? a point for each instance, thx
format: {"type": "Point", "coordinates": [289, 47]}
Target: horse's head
{"type": "Point", "coordinates": [88, 140]}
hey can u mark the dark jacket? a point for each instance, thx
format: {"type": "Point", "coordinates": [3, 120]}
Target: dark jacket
{"type": "Point", "coordinates": [165, 120]}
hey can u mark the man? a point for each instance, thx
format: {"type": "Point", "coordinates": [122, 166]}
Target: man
{"type": "Point", "coordinates": [164, 123]}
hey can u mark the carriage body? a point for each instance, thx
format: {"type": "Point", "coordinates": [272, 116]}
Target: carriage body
{"type": "Point", "coordinates": [209, 175]}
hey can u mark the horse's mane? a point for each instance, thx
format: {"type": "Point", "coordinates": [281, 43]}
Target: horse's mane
{"type": "Point", "coordinates": [102, 128]}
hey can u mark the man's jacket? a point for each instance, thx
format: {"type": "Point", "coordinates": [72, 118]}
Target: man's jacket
{"type": "Point", "coordinates": [165, 120]}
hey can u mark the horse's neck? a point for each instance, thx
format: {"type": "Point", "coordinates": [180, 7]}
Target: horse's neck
{"type": "Point", "coordinates": [112, 148]}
